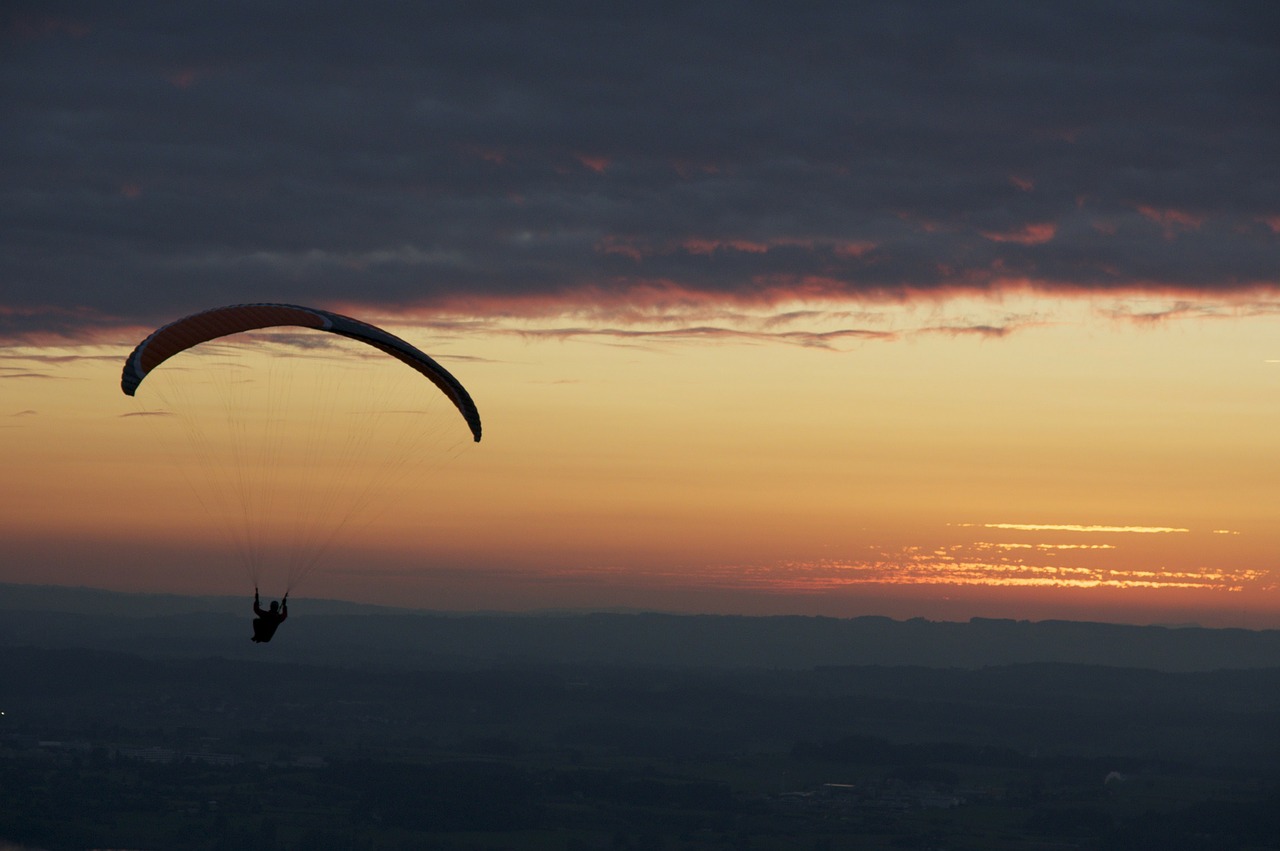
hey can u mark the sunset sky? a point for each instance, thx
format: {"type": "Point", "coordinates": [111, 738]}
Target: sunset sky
{"type": "Point", "coordinates": [909, 309]}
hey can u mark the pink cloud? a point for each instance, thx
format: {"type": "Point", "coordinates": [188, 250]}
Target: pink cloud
{"type": "Point", "coordinates": [1032, 234]}
{"type": "Point", "coordinates": [1171, 220]}
{"type": "Point", "coordinates": [620, 245]}
{"type": "Point", "coordinates": [695, 245]}
{"type": "Point", "coordinates": [596, 164]}
{"type": "Point", "coordinates": [855, 249]}
{"type": "Point", "coordinates": [926, 225]}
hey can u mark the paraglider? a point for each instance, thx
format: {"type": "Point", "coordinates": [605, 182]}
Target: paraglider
{"type": "Point", "coordinates": [259, 464]}
{"type": "Point", "coordinates": [268, 620]}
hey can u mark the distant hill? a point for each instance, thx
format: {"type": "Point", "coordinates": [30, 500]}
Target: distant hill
{"type": "Point", "coordinates": [327, 632]}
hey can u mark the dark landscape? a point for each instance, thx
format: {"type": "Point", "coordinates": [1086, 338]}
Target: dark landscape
{"type": "Point", "coordinates": [150, 723]}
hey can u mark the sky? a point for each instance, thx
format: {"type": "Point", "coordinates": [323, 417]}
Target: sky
{"type": "Point", "coordinates": [906, 309]}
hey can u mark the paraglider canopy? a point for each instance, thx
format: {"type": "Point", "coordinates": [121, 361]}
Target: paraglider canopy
{"type": "Point", "coordinates": [290, 440]}
{"type": "Point", "coordinates": [197, 328]}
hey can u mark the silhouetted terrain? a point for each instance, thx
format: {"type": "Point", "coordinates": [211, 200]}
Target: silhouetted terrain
{"type": "Point", "coordinates": [332, 632]}
{"type": "Point", "coordinates": [624, 745]}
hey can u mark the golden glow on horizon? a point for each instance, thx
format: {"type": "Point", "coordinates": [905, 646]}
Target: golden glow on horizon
{"type": "Point", "coordinates": [1069, 527]}
{"type": "Point", "coordinates": [805, 447]}
{"type": "Point", "coordinates": [922, 569]}
{"type": "Point", "coordinates": [1048, 546]}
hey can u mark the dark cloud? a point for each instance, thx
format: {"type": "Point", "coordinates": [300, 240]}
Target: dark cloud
{"type": "Point", "coordinates": [808, 339]}
{"type": "Point", "coordinates": [993, 331]}
{"type": "Point", "coordinates": [48, 359]}
{"type": "Point", "coordinates": [1190, 309]}
{"type": "Point", "coordinates": [161, 158]}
